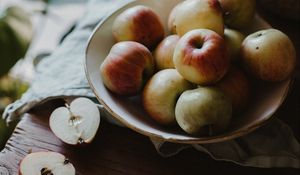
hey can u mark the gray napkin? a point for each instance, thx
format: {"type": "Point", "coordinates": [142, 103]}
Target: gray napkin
{"type": "Point", "coordinates": [62, 75]}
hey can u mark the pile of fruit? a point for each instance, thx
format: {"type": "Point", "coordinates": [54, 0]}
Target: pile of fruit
{"type": "Point", "coordinates": [199, 75]}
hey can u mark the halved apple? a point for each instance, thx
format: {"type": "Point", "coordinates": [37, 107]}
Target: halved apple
{"type": "Point", "coordinates": [46, 163]}
{"type": "Point", "coordinates": [76, 123]}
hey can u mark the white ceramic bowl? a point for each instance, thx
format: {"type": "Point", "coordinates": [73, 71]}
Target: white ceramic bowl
{"type": "Point", "coordinates": [265, 100]}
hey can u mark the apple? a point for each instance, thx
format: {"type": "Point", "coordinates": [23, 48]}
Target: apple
{"type": "Point", "coordinates": [203, 109]}
{"type": "Point", "coordinates": [238, 14]}
{"type": "Point", "coordinates": [195, 14]}
{"type": "Point", "coordinates": [140, 24]}
{"type": "Point", "coordinates": [46, 163]}
{"type": "Point", "coordinates": [201, 56]}
{"type": "Point", "coordinates": [171, 19]}
{"type": "Point", "coordinates": [236, 86]}
{"type": "Point", "coordinates": [233, 39]}
{"type": "Point", "coordinates": [269, 55]}
{"type": "Point", "coordinates": [163, 54]}
{"type": "Point", "coordinates": [76, 123]}
{"type": "Point", "coordinates": [127, 67]}
{"type": "Point", "coordinates": [161, 93]}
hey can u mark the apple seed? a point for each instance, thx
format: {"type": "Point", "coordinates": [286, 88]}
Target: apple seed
{"type": "Point", "coordinates": [66, 161]}
{"type": "Point", "coordinates": [46, 171]}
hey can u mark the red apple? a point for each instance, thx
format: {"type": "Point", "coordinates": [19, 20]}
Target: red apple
{"type": "Point", "coordinates": [201, 57]}
{"type": "Point", "coordinates": [196, 14]}
{"type": "Point", "coordinates": [269, 55]}
{"type": "Point", "coordinates": [163, 54]}
{"type": "Point", "coordinates": [140, 24]}
{"type": "Point", "coordinates": [127, 67]}
{"type": "Point", "coordinates": [161, 93]}
{"type": "Point", "coordinates": [236, 86]}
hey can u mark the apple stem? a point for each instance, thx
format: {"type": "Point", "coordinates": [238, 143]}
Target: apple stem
{"type": "Point", "coordinates": [29, 151]}
{"type": "Point", "coordinates": [67, 105]}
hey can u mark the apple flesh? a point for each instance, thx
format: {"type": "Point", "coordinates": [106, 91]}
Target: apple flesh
{"type": "Point", "coordinates": [76, 124]}
{"type": "Point", "coordinates": [161, 93]}
{"type": "Point", "coordinates": [201, 56]}
{"type": "Point", "coordinates": [202, 110]}
{"type": "Point", "coordinates": [163, 54]}
{"type": "Point", "coordinates": [140, 24]}
{"type": "Point", "coordinates": [236, 86]}
{"type": "Point", "coordinates": [127, 67]}
{"type": "Point", "coordinates": [234, 40]}
{"type": "Point", "coordinates": [46, 163]}
{"type": "Point", "coordinates": [238, 14]}
{"type": "Point", "coordinates": [269, 55]}
{"type": "Point", "coordinates": [196, 14]}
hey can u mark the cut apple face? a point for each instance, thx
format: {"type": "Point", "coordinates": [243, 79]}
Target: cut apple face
{"type": "Point", "coordinates": [46, 163]}
{"type": "Point", "coordinates": [77, 123]}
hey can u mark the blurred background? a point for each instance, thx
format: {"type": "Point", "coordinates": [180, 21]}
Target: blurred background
{"type": "Point", "coordinates": [29, 31]}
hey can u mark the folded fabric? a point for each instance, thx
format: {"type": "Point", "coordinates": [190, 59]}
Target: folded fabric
{"type": "Point", "coordinates": [62, 75]}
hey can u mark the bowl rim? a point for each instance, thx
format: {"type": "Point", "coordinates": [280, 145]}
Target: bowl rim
{"type": "Point", "coordinates": [195, 140]}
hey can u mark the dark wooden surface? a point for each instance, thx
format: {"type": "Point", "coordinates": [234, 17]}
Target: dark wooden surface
{"type": "Point", "coordinates": [119, 150]}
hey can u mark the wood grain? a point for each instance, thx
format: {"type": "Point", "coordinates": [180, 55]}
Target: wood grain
{"type": "Point", "coordinates": [119, 150]}
{"type": "Point", "coordinates": [115, 150]}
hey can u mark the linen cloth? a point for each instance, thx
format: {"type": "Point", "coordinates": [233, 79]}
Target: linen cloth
{"type": "Point", "coordinates": [62, 75]}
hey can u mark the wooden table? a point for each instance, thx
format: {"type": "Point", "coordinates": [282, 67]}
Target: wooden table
{"type": "Point", "coordinates": [119, 150]}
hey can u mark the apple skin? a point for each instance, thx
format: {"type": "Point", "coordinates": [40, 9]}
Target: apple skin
{"type": "Point", "coordinates": [77, 123]}
{"type": "Point", "coordinates": [268, 55]}
{"type": "Point", "coordinates": [163, 54]}
{"type": "Point", "coordinates": [33, 163]}
{"type": "Point", "coordinates": [140, 24]}
{"type": "Point", "coordinates": [234, 40]}
{"type": "Point", "coordinates": [238, 14]}
{"type": "Point", "coordinates": [171, 19]}
{"type": "Point", "coordinates": [127, 67]}
{"type": "Point", "coordinates": [236, 86]}
{"type": "Point", "coordinates": [201, 56]}
{"type": "Point", "coordinates": [161, 93]}
{"type": "Point", "coordinates": [196, 14]}
{"type": "Point", "coordinates": [203, 107]}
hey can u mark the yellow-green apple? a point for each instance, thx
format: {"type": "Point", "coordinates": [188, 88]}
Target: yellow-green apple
{"type": "Point", "coordinates": [163, 54]}
{"type": "Point", "coordinates": [201, 56]}
{"type": "Point", "coordinates": [127, 67]}
{"type": "Point", "coordinates": [269, 55]}
{"type": "Point", "coordinates": [46, 163]}
{"type": "Point", "coordinates": [161, 93]}
{"type": "Point", "coordinates": [238, 14]}
{"type": "Point", "coordinates": [171, 19]}
{"type": "Point", "coordinates": [202, 109]}
{"type": "Point", "coordinates": [195, 14]}
{"type": "Point", "coordinates": [76, 123]}
{"type": "Point", "coordinates": [140, 24]}
{"type": "Point", "coordinates": [236, 86]}
{"type": "Point", "coordinates": [233, 39]}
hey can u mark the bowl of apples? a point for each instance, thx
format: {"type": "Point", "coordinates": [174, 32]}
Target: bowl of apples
{"type": "Point", "coordinates": [194, 71]}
